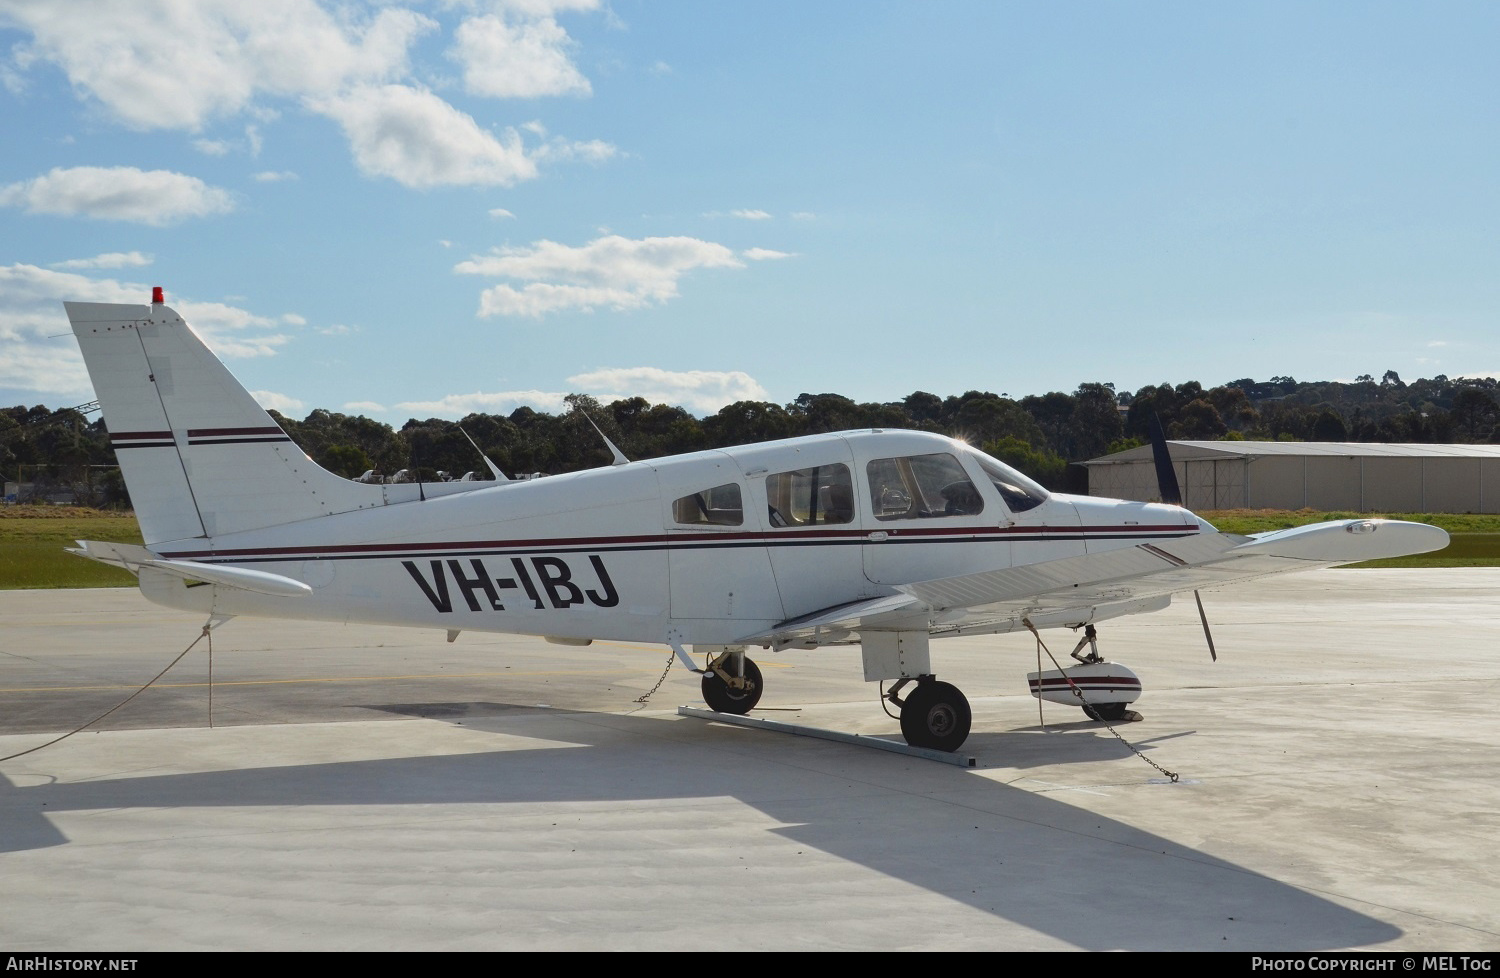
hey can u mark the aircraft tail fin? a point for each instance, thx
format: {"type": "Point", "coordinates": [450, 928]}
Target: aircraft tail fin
{"type": "Point", "coordinates": [200, 457]}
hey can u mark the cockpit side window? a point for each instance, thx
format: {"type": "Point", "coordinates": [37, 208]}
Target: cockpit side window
{"type": "Point", "coordinates": [719, 506]}
{"type": "Point", "coordinates": [921, 487]}
{"type": "Point", "coordinates": [1019, 492]}
{"type": "Point", "coordinates": [819, 496]}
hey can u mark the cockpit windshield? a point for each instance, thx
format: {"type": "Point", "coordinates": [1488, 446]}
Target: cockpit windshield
{"type": "Point", "coordinates": [1019, 492]}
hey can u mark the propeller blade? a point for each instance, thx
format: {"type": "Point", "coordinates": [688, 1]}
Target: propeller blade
{"type": "Point", "coordinates": [1206, 633]}
{"type": "Point", "coordinates": [1166, 476]}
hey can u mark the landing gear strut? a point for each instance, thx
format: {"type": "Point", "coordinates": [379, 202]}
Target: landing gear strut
{"type": "Point", "coordinates": [1091, 639]}
{"type": "Point", "coordinates": [1103, 689]}
{"type": "Point", "coordinates": [934, 715]}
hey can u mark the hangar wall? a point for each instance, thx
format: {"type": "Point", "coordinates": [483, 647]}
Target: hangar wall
{"type": "Point", "coordinates": [1362, 479]}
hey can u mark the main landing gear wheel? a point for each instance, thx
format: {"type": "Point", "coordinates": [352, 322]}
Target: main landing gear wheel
{"type": "Point", "coordinates": [724, 698]}
{"type": "Point", "coordinates": [1113, 712]}
{"type": "Point", "coordinates": [936, 715]}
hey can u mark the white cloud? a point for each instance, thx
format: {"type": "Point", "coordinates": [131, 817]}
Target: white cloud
{"type": "Point", "coordinates": [281, 403]}
{"type": "Point", "coordinates": [110, 259]}
{"type": "Point", "coordinates": [419, 140]}
{"type": "Point", "coordinates": [274, 176]}
{"type": "Point", "coordinates": [292, 319]}
{"type": "Point", "coordinates": [338, 329]}
{"type": "Point", "coordinates": [38, 353]}
{"type": "Point", "coordinates": [751, 215]}
{"type": "Point", "coordinates": [31, 299]}
{"type": "Point", "coordinates": [764, 254]}
{"type": "Point", "coordinates": [503, 402]}
{"type": "Point", "coordinates": [231, 331]}
{"type": "Point", "coordinates": [163, 64]}
{"type": "Point", "coordinates": [559, 150]}
{"type": "Point", "coordinates": [612, 271]}
{"type": "Point", "coordinates": [529, 59]}
{"type": "Point", "coordinates": [171, 64]}
{"type": "Point", "coordinates": [546, 8]}
{"type": "Point", "coordinates": [11, 80]}
{"type": "Point", "coordinates": [370, 406]}
{"type": "Point", "coordinates": [37, 349]}
{"type": "Point", "coordinates": [118, 193]}
{"type": "Point", "coordinates": [700, 391]}
{"type": "Point", "coordinates": [56, 370]}
{"type": "Point", "coordinates": [500, 213]}
{"type": "Point", "coordinates": [803, 215]}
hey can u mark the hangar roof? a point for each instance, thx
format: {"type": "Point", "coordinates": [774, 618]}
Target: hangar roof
{"type": "Point", "coordinates": [1183, 450]}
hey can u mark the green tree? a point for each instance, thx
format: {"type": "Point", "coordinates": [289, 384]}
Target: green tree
{"type": "Point", "coordinates": [1046, 467]}
{"type": "Point", "coordinates": [986, 417]}
{"type": "Point", "coordinates": [747, 422]}
{"type": "Point", "coordinates": [1475, 415]}
{"type": "Point", "coordinates": [349, 461]}
{"type": "Point", "coordinates": [1198, 420]}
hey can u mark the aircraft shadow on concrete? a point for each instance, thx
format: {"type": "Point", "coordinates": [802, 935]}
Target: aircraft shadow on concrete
{"type": "Point", "coordinates": [1083, 878]}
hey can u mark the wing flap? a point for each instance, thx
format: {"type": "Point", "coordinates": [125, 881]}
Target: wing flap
{"type": "Point", "coordinates": [832, 625]}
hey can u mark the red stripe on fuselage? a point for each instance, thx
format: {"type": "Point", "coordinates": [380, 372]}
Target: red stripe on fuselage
{"type": "Point", "coordinates": [809, 536]}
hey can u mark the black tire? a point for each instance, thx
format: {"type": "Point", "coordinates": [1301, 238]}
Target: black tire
{"type": "Point", "coordinates": [936, 716]}
{"type": "Point", "coordinates": [722, 699]}
{"type": "Point", "coordinates": [1111, 712]}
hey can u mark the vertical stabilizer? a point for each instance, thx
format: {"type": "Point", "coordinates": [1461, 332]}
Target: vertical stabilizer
{"type": "Point", "coordinates": [201, 458]}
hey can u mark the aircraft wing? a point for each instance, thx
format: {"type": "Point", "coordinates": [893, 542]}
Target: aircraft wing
{"type": "Point", "coordinates": [1097, 586]}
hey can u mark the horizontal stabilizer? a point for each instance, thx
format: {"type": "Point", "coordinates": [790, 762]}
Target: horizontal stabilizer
{"type": "Point", "coordinates": [1347, 540]}
{"type": "Point", "coordinates": [133, 558]}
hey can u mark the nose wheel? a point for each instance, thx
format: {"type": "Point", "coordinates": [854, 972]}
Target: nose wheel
{"type": "Point", "coordinates": [725, 692]}
{"type": "Point", "coordinates": [934, 715]}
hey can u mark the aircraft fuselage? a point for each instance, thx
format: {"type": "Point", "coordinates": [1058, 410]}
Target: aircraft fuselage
{"type": "Point", "coordinates": [615, 553]}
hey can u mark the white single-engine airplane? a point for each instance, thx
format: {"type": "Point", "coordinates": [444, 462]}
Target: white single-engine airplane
{"type": "Point", "coordinates": [884, 538]}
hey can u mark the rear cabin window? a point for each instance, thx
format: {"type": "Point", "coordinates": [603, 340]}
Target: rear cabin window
{"type": "Point", "coordinates": [719, 506]}
{"type": "Point", "coordinates": [818, 496]}
{"type": "Point", "coordinates": [921, 487]}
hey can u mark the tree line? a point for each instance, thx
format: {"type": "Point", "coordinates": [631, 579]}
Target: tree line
{"type": "Point", "coordinates": [1039, 434]}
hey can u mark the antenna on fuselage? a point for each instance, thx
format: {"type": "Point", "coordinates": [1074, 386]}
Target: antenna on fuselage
{"type": "Point", "coordinates": [494, 469]}
{"type": "Point", "coordinates": [620, 458]}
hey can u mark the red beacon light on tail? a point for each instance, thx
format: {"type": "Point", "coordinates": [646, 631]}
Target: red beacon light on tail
{"type": "Point", "coordinates": [157, 295]}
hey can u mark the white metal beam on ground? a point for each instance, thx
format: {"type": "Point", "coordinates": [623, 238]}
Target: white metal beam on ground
{"type": "Point", "coordinates": [859, 740]}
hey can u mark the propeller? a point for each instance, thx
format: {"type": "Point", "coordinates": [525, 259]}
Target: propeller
{"type": "Point", "coordinates": [1166, 476]}
{"type": "Point", "coordinates": [1167, 488]}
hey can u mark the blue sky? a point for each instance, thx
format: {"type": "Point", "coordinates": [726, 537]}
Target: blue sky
{"type": "Point", "coordinates": [416, 209]}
